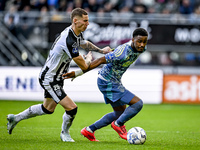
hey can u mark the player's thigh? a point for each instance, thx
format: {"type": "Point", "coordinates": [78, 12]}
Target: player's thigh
{"type": "Point", "coordinates": [67, 103]}
{"type": "Point", "coordinates": [49, 104]}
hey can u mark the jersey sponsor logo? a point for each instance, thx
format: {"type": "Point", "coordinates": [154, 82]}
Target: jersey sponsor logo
{"type": "Point", "coordinates": [75, 45]}
{"type": "Point", "coordinates": [75, 50]}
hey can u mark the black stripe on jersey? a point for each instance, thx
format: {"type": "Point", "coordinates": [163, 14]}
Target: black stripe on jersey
{"type": "Point", "coordinates": [57, 77]}
{"type": "Point", "coordinates": [72, 43]}
{"type": "Point", "coordinates": [66, 67]}
{"type": "Point", "coordinates": [62, 69]}
{"type": "Point", "coordinates": [44, 73]}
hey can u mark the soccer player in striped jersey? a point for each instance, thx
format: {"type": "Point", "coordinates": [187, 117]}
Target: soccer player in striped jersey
{"type": "Point", "coordinates": [64, 49]}
{"type": "Point", "coordinates": [109, 83]}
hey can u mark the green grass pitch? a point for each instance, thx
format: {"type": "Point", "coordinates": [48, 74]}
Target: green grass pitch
{"type": "Point", "coordinates": [168, 127]}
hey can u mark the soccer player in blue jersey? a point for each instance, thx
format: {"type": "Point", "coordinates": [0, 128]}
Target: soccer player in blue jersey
{"type": "Point", "coordinates": [109, 83]}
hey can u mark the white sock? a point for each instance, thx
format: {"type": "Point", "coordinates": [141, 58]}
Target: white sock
{"type": "Point", "coordinates": [32, 111]}
{"type": "Point", "coordinates": [67, 122]}
{"type": "Point", "coordinates": [116, 124]}
{"type": "Point", "coordinates": [88, 129]}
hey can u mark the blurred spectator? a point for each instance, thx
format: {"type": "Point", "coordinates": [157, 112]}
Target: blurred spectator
{"type": "Point", "coordinates": [42, 4]}
{"type": "Point", "coordinates": [118, 5]}
{"type": "Point", "coordinates": [172, 6]}
{"type": "Point", "coordinates": [26, 19]}
{"type": "Point", "coordinates": [165, 11]}
{"type": "Point", "coordinates": [195, 16]}
{"type": "Point", "coordinates": [124, 14]}
{"type": "Point", "coordinates": [139, 8]}
{"type": "Point", "coordinates": [17, 3]}
{"type": "Point", "coordinates": [34, 4]}
{"type": "Point", "coordinates": [108, 6]}
{"type": "Point", "coordinates": [11, 19]}
{"type": "Point", "coordinates": [190, 59]}
{"type": "Point", "coordinates": [91, 6]}
{"type": "Point", "coordinates": [70, 7]}
{"type": "Point", "coordinates": [136, 6]}
{"type": "Point", "coordinates": [53, 4]}
{"type": "Point", "coordinates": [158, 6]}
{"type": "Point", "coordinates": [44, 15]}
{"type": "Point", "coordinates": [62, 5]}
{"type": "Point", "coordinates": [147, 3]}
{"type": "Point", "coordinates": [100, 14]}
{"type": "Point", "coordinates": [129, 3]}
{"type": "Point", "coordinates": [164, 59]}
{"type": "Point", "coordinates": [186, 7]}
{"type": "Point", "coordinates": [37, 5]}
{"type": "Point", "coordinates": [78, 3]}
{"type": "Point", "coordinates": [22, 4]}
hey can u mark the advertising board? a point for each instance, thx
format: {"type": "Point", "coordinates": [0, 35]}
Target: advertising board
{"type": "Point", "coordinates": [181, 89]}
{"type": "Point", "coordinates": [21, 83]}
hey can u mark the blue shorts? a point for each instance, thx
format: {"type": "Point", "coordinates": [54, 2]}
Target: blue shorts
{"type": "Point", "coordinates": [114, 93]}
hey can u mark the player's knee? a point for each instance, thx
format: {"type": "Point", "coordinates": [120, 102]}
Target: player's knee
{"type": "Point", "coordinates": [72, 112]}
{"type": "Point", "coordinates": [117, 114]}
{"type": "Point", "coordinates": [46, 111]}
{"type": "Point", "coordinates": [139, 104]}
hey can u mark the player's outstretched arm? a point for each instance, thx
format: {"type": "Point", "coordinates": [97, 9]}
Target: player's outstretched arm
{"type": "Point", "coordinates": [91, 47]}
{"type": "Point", "coordinates": [94, 64]}
{"type": "Point", "coordinates": [83, 63]}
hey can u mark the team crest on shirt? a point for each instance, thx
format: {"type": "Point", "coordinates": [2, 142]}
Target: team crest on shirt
{"type": "Point", "coordinates": [75, 50]}
{"type": "Point", "coordinates": [57, 89]}
{"type": "Point", "coordinates": [110, 57]}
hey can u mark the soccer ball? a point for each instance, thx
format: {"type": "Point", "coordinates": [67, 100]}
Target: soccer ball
{"type": "Point", "coordinates": [136, 135]}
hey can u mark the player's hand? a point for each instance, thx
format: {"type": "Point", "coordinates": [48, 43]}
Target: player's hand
{"type": "Point", "coordinates": [69, 75]}
{"type": "Point", "coordinates": [88, 56]}
{"type": "Point", "coordinates": [106, 50]}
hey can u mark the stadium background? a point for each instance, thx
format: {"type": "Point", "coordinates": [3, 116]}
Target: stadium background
{"type": "Point", "coordinates": [169, 70]}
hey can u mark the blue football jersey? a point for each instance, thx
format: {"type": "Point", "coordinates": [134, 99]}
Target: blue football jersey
{"type": "Point", "coordinates": [118, 62]}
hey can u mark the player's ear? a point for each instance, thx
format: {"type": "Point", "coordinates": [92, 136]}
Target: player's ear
{"type": "Point", "coordinates": [75, 20]}
{"type": "Point", "coordinates": [132, 39]}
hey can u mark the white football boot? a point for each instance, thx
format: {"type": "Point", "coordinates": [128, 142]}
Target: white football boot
{"type": "Point", "coordinates": [65, 137]}
{"type": "Point", "coordinates": [11, 123]}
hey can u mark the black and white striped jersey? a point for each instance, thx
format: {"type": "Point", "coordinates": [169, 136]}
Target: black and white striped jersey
{"type": "Point", "coordinates": [65, 47]}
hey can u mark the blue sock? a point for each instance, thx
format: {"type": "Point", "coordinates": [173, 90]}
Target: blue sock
{"type": "Point", "coordinates": [129, 112]}
{"type": "Point", "coordinates": [105, 120]}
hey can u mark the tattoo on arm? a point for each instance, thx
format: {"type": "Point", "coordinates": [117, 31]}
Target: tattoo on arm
{"type": "Point", "coordinates": [91, 47]}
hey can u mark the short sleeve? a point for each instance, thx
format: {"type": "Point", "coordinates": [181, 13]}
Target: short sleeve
{"type": "Point", "coordinates": [117, 55]}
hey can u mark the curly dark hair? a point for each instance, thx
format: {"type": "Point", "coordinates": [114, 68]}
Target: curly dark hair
{"type": "Point", "coordinates": [140, 31]}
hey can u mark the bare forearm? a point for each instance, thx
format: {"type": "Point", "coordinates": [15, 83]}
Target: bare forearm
{"type": "Point", "coordinates": [91, 47]}
{"type": "Point", "coordinates": [93, 65]}
{"type": "Point", "coordinates": [96, 63]}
